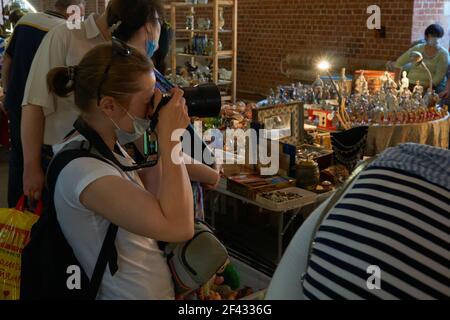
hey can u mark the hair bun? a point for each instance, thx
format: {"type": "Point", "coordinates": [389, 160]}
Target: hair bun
{"type": "Point", "coordinates": [72, 72]}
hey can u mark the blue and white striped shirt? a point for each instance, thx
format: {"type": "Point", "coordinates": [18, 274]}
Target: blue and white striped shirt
{"type": "Point", "coordinates": [395, 217]}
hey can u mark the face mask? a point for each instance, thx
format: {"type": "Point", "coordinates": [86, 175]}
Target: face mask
{"type": "Point", "coordinates": [140, 127]}
{"type": "Point", "coordinates": [434, 42]}
{"type": "Point", "coordinates": [151, 48]}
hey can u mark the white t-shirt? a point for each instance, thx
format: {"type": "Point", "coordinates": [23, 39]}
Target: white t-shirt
{"type": "Point", "coordinates": [143, 271]}
{"type": "Point", "coordinates": [60, 47]}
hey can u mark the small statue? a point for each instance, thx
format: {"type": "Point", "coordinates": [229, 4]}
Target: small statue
{"type": "Point", "coordinates": [391, 101]}
{"type": "Point", "coordinates": [361, 85]}
{"type": "Point", "coordinates": [404, 82]}
{"type": "Point", "coordinates": [406, 94]}
{"type": "Point", "coordinates": [418, 91]}
{"type": "Point", "coordinates": [432, 99]}
{"type": "Point", "coordinates": [388, 83]}
{"type": "Point", "coordinates": [271, 99]}
{"type": "Point", "coordinates": [318, 88]}
{"type": "Point", "coordinates": [427, 98]}
{"type": "Point", "coordinates": [326, 92]}
{"type": "Point", "coordinates": [342, 84]}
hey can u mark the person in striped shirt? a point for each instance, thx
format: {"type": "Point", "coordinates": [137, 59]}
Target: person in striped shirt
{"type": "Point", "coordinates": [388, 237]}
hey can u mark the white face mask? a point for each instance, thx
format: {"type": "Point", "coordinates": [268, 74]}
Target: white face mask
{"type": "Point", "coordinates": [432, 41]}
{"type": "Point", "coordinates": [140, 127]}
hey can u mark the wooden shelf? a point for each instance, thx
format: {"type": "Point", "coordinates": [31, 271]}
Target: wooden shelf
{"type": "Point", "coordinates": [224, 82]}
{"type": "Point", "coordinates": [221, 55]}
{"type": "Point", "coordinates": [214, 34]}
{"type": "Point", "coordinates": [200, 31]}
{"type": "Point", "coordinates": [210, 4]}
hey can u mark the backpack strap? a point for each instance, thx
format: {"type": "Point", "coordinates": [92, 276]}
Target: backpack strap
{"type": "Point", "coordinates": [108, 252]}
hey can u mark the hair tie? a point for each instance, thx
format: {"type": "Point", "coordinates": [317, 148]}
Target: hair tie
{"type": "Point", "coordinates": [115, 26]}
{"type": "Point", "coordinates": [72, 72]}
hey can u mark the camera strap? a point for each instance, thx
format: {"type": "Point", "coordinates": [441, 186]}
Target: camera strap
{"type": "Point", "coordinates": [100, 146]}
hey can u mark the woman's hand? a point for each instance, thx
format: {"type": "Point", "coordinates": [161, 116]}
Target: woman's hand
{"type": "Point", "coordinates": [173, 116]}
{"type": "Point", "coordinates": [33, 182]}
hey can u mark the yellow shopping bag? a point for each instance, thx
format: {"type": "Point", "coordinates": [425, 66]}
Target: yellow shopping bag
{"type": "Point", "coordinates": [15, 227]}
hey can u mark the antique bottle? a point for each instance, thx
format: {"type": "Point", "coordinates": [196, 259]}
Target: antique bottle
{"type": "Point", "coordinates": [308, 174]}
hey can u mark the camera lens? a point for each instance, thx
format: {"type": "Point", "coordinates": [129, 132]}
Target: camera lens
{"type": "Point", "coordinates": [203, 101]}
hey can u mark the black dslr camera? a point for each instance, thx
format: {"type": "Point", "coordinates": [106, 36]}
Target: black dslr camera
{"type": "Point", "coordinates": [203, 101]}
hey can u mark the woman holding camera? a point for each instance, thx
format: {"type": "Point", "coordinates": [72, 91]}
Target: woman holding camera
{"type": "Point", "coordinates": [113, 86]}
{"type": "Point", "coordinates": [46, 119]}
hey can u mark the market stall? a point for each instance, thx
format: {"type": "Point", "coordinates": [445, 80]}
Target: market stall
{"type": "Point", "coordinates": [343, 122]}
{"type": "Point", "coordinates": [433, 133]}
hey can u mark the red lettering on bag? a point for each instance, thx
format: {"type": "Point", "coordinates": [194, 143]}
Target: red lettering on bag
{"type": "Point", "coordinates": [12, 238]}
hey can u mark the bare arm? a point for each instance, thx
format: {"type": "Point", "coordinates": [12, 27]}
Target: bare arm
{"type": "Point", "coordinates": [32, 131]}
{"type": "Point", "coordinates": [199, 172]}
{"type": "Point", "coordinates": [139, 211]}
{"type": "Point", "coordinates": [151, 178]}
{"type": "Point", "coordinates": [171, 218]}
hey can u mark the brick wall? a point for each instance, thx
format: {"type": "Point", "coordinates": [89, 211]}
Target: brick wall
{"type": "Point", "coordinates": [427, 12]}
{"type": "Point", "coordinates": [268, 30]}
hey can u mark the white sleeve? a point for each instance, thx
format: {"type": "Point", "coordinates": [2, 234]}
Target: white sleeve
{"type": "Point", "coordinates": [51, 53]}
{"type": "Point", "coordinates": [286, 281]}
{"type": "Point", "coordinates": [78, 175]}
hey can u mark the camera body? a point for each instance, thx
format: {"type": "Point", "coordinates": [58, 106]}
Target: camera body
{"type": "Point", "coordinates": [203, 101]}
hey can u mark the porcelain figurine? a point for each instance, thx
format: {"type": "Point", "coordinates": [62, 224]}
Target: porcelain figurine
{"type": "Point", "coordinates": [404, 82]}
{"type": "Point", "coordinates": [418, 90]}
{"type": "Point", "coordinates": [221, 19]}
{"type": "Point", "coordinates": [431, 99]}
{"type": "Point", "coordinates": [361, 85]}
{"type": "Point", "coordinates": [392, 102]}
{"type": "Point", "coordinates": [388, 83]}
{"type": "Point", "coordinates": [318, 86]}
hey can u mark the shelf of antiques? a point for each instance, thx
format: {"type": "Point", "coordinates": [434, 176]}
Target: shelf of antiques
{"type": "Point", "coordinates": [198, 53]}
{"type": "Point", "coordinates": [381, 111]}
{"type": "Point", "coordinates": [322, 131]}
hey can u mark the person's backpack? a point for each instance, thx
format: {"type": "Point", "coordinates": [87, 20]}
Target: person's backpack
{"type": "Point", "coordinates": [47, 257]}
{"type": "Point", "coordinates": [48, 261]}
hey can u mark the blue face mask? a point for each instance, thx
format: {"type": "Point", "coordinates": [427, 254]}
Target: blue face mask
{"type": "Point", "coordinates": [151, 48]}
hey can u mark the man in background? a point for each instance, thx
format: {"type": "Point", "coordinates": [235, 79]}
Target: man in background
{"type": "Point", "coordinates": [24, 43]}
